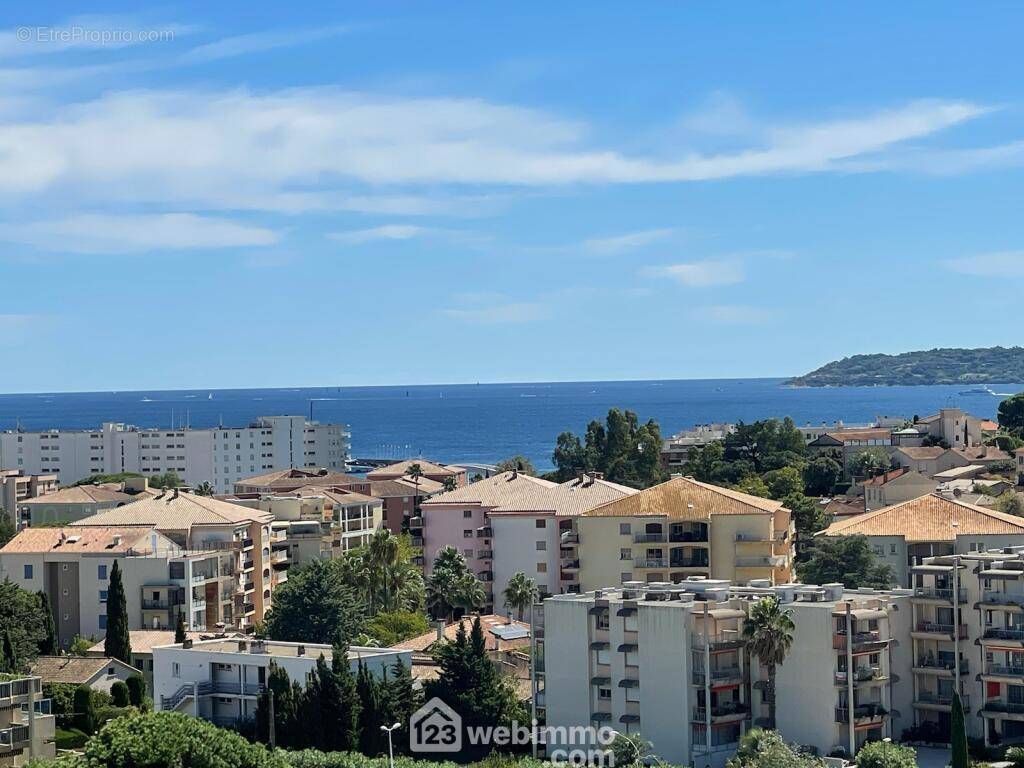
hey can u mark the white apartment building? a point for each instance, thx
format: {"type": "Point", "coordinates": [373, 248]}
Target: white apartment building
{"type": "Point", "coordinates": [221, 679]}
{"type": "Point", "coordinates": [669, 661]}
{"type": "Point", "coordinates": [216, 455]}
{"type": "Point", "coordinates": [26, 725]}
{"type": "Point", "coordinates": [72, 566]}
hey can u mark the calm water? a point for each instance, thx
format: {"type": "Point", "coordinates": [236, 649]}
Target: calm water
{"type": "Point", "coordinates": [488, 422]}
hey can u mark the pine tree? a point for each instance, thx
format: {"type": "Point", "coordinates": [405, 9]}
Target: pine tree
{"type": "Point", "coordinates": [958, 733]}
{"type": "Point", "coordinates": [285, 715]}
{"type": "Point", "coordinates": [48, 645]}
{"type": "Point", "coordinates": [372, 712]}
{"type": "Point", "coordinates": [9, 663]}
{"type": "Point", "coordinates": [346, 733]}
{"type": "Point", "coordinates": [400, 699]}
{"type": "Point", "coordinates": [117, 644]}
{"type": "Point", "coordinates": [179, 630]}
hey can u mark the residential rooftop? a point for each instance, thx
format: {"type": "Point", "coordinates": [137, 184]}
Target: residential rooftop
{"type": "Point", "coordinates": [235, 645]}
{"type": "Point", "coordinates": [176, 510]}
{"type": "Point", "coordinates": [683, 498]}
{"type": "Point", "coordinates": [401, 468]}
{"type": "Point", "coordinates": [93, 540]}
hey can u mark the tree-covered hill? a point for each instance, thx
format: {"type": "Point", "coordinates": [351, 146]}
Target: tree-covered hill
{"type": "Point", "coordinates": [990, 365]}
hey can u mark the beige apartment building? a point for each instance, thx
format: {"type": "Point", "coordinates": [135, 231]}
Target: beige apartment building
{"type": "Point", "coordinates": [903, 535]}
{"type": "Point", "coordinates": [242, 592]}
{"type": "Point", "coordinates": [26, 723]}
{"type": "Point", "coordinates": [893, 487]}
{"type": "Point", "coordinates": [670, 661]}
{"type": "Point", "coordinates": [75, 502]}
{"type": "Point", "coordinates": [439, 473]}
{"type": "Point", "coordinates": [161, 579]}
{"type": "Point", "coordinates": [685, 528]}
{"type": "Point", "coordinates": [17, 486]}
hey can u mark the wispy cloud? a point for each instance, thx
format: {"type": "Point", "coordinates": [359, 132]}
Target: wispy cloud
{"type": "Point", "coordinates": [631, 241]}
{"type": "Point", "coordinates": [998, 264]}
{"type": "Point", "coordinates": [102, 233]}
{"type": "Point", "coordinates": [513, 313]}
{"type": "Point", "coordinates": [735, 314]}
{"type": "Point", "coordinates": [258, 42]}
{"type": "Point", "coordinates": [396, 232]}
{"type": "Point", "coordinates": [700, 274]}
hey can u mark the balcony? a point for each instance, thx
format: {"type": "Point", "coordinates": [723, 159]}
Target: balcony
{"type": "Point", "coordinates": [728, 712]}
{"type": "Point", "coordinates": [1002, 670]}
{"type": "Point", "coordinates": [1004, 633]}
{"type": "Point", "coordinates": [765, 561]}
{"type": "Point", "coordinates": [940, 666]}
{"type": "Point", "coordinates": [649, 538]}
{"type": "Point", "coordinates": [484, 532]}
{"type": "Point", "coordinates": [865, 714]}
{"type": "Point", "coordinates": [943, 630]}
{"type": "Point", "coordinates": [248, 608]}
{"type": "Point", "coordinates": [417, 541]}
{"type": "Point", "coordinates": [485, 554]}
{"type": "Point", "coordinates": [155, 605]}
{"type": "Point", "coordinates": [938, 594]}
{"type": "Point", "coordinates": [650, 563]}
{"type": "Point", "coordinates": [1002, 709]}
{"type": "Point", "coordinates": [569, 538]}
{"type": "Point", "coordinates": [486, 576]}
{"type": "Point", "coordinates": [861, 641]}
{"type": "Point", "coordinates": [571, 565]}
{"type": "Point", "coordinates": [861, 675]}
{"type": "Point", "coordinates": [13, 689]}
{"type": "Point", "coordinates": [248, 544]}
{"type": "Point", "coordinates": [718, 675]}
{"type": "Point", "coordinates": [688, 562]}
{"type": "Point", "coordinates": [1002, 599]}
{"type": "Point", "coordinates": [723, 641]}
{"type": "Point", "coordinates": [416, 522]}
{"type": "Point", "coordinates": [699, 536]}
{"type": "Point", "coordinates": [938, 701]}
{"type": "Point", "coordinates": [14, 737]}
{"type": "Point", "coordinates": [279, 556]}
{"type": "Point", "coordinates": [249, 565]}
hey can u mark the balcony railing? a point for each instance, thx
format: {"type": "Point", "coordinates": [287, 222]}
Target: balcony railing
{"type": "Point", "coordinates": [1003, 706]}
{"type": "Point", "coordinates": [685, 537]}
{"type": "Point", "coordinates": [942, 699]}
{"type": "Point", "coordinates": [700, 714]}
{"type": "Point", "coordinates": [20, 687]}
{"type": "Point", "coordinates": [926, 662]}
{"type": "Point", "coordinates": [1001, 669]}
{"type": "Point", "coordinates": [860, 675]}
{"type": "Point", "coordinates": [650, 563]}
{"type": "Point", "coordinates": [932, 593]}
{"type": "Point", "coordinates": [858, 638]}
{"type": "Point", "coordinates": [688, 562]}
{"type": "Point", "coordinates": [941, 629]}
{"type": "Point", "coordinates": [1004, 633]}
{"type": "Point", "coordinates": [15, 736]}
{"type": "Point", "coordinates": [717, 673]}
{"type": "Point", "coordinates": [1001, 598]}
{"type": "Point", "coordinates": [41, 706]}
{"type": "Point", "coordinates": [865, 712]}
{"type": "Point", "coordinates": [649, 538]}
{"type": "Point", "coordinates": [570, 537]}
{"type": "Point", "coordinates": [722, 640]}
{"type": "Point", "coordinates": [155, 605]}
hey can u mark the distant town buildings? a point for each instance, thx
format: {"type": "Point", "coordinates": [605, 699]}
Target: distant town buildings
{"type": "Point", "coordinates": [27, 725]}
{"type": "Point", "coordinates": [17, 486]}
{"type": "Point", "coordinates": [219, 456]}
{"type": "Point", "coordinates": [75, 502]}
{"type": "Point", "coordinates": [675, 450]}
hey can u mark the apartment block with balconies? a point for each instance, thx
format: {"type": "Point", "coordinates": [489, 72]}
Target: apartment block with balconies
{"type": "Point", "coordinates": [26, 723]}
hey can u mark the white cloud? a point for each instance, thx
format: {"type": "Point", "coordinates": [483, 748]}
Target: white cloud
{"type": "Point", "coordinates": [514, 313]}
{"type": "Point", "coordinates": [257, 42]}
{"type": "Point", "coordinates": [700, 274]}
{"type": "Point", "coordinates": [631, 241]}
{"type": "Point", "coordinates": [102, 233]}
{"type": "Point", "coordinates": [722, 114]}
{"type": "Point", "coordinates": [998, 264]}
{"type": "Point", "coordinates": [311, 149]}
{"type": "Point", "coordinates": [735, 314]}
{"type": "Point", "coordinates": [386, 232]}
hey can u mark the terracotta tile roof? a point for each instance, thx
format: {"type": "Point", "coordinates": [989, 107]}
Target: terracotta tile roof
{"type": "Point", "coordinates": [337, 495]}
{"type": "Point", "coordinates": [853, 435]}
{"type": "Point", "coordinates": [683, 498]}
{"type": "Point", "coordinates": [383, 489]}
{"type": "Point", "coordinates": [886, 477]}
{"type": "Point", "coordinates": [289, 479]}
{"type": "Point", "coordinates": [928, 518]}
{"type": "Point", "coordinates": [987, 425]}
{"type": "Point", "coordinates": [922, 452]}
{"type": "Point", "coordinates": [424, 641]}
{"type": "Point", "coordinates": [144, 640]}
{"type": "Point", "coordinates": [83, 494]}
{"type": "Point", "coordinates": [76, 670]}
{"type": "Point", "coordinates": [401, 468]}
{"type": "Point", "coordinates": [842, 508]}
{"type": "Point", "coordinates": [982, 454]}
{"type": "Point", "coordinates": [68, 539]}
{"type": "Point", "coordinates": [512, 492]}
{"type": "Point", "coordinates": [176, 511]}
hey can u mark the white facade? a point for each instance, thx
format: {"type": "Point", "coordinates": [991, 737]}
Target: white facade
{"type": "Point", "coordinates": [220, 456]}
{"type": "Point", "coordinates": [221, 679]}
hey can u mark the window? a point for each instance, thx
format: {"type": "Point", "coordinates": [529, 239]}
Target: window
{"type": "Point", "coordinates": [467, 553]}
{"type": "Point", "coordinates": [878, 549]}
{"type": "Point", "coordinates": [542, 546]}
{"type": "Point", "coordinates": [541, 523]}
{"type": "Point", "coordinates": [175, 669]}
{"type": "Point", "coordinates": [110, 671]}
{"type": "Point", "coordinates": [605, 694]}
{"type": "Point", "coordinates": [28, 571]}
{"type": "Point", "coordinates": [103, 620]}
{"type": "Point", "coordinates": [604, 657]}
{"type": "Point", "coordinates": [467, 513]}
{"type": "Point", "coordinates": [103, 595]}
{"type": "Point", "coordinates": [626, 576]}
{"type": "Point", "coordinates": [467, 534]}
{"type": "Point", "coordinates": [625, 553]}
{"type": "Point", "coordinates": [542, 567]}
{"type": "Point", "coordinates": [101, 572]}
{"type": "Point", "coordinates": [892, 549]}
{"type": "Point", "coordinates": [625, 529]}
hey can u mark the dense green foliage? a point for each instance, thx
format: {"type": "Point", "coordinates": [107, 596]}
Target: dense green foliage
{"type": "Point", "coordinates": [119, 693]}
{"type": "Point", "coordinates": [767, 749]}
{"type": "Point", "coordinates": [48, 645]}
{"type": "Point", "coordinates": [993, 365]}
{"type": "Point", "coordinates": [390, 628]}
{"type": "Point", "coordinates": [471, 685]}
{"type": "Point", "coordinates": [9, 661]}
{"type": "Point", "coordinates": [136, 690]}
{"type": "Point", "coordinates": [520, 593]}
{"type": "Point", "coordinates": [517, 463]}
{"type": "Point", "coordinates": [870, 462]}
{"type": "Point", "coordinates": [120, 477]}
{"type": "Point", "coordinates": [886, 754]}
{"type": "Point", "coordinates": [623, 449]}
{"type": "Point", "coordinates": [23, 618]}
{"type": "Point", "coordinates": [117, 644]}
{"type": "Point", "coordinates": [383, 572]}
{"type": "Point", "coordinates": [1011, 414]}
{"type": "Point", "coordinates": [452, 588]}
{"type": "Point", "coordinates": [316, 605]}
{"type": "Point", "coordinates": [8, 529]}
{"type": "Point", "coordinates": [769, 634]}
{"type": "Point", "coordinates": [846, 559]}
{"type": "Point", "coordinates": [179, 630]}
{"type": "Point", "coordinates": [84, 704]}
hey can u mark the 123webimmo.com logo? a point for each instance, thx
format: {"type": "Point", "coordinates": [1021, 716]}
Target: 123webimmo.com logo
{"type": "Point", "coordinates": [435, 727]}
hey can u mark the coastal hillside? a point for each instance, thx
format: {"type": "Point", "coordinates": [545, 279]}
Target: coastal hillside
{"type": "Point", "coordinates": [934, 366]}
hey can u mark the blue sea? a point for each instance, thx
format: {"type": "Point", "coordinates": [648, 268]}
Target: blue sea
{"type": "Point", "coordinates": [489, 422]}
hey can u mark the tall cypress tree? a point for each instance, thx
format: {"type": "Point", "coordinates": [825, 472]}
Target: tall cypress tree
{"type": "Point", "coordinates": [48, 645]}
{"type": "Point", "coordinates": [9, 663]}
{"type": "Point", "coordinates": [118, 644]}
{"type": "Point", "coordinates": [958, 733]}
{"type": "Point", "coordinates": [400, 701]}
{"type": "Point", "coordinates": [179, 630]}
{"type": "Point", "coordinates": [372, 712]}
{"type": "Point", "coordinates": [345, 737]}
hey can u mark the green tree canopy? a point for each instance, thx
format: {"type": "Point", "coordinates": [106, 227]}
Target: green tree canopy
{"type": "Point", "coordinates": [1011, 414]}
{"type": "Point", "coordinates": [452, 586]}
{"type": "Point", "coordinates": [21, 615]}
{"type": "Point", "coordinates": [395, 626]}
{"type": "Point", "coordinates": [767, 749]}
{"type": "Point", "coordinates": [845, 559]}
{"type": "Point", "coordinates": [315, 605]}
{"type": "Point", "coordinates": [821, 475]}
{"type": "Point", "coordinates": [117, 644]}
{"type": "Point", "coordinates": [517, 463]}
{"type": "Point", "coordinates": [886, 754]}
{"type": "Point", "coordinates": [623, 449]}
{"type": "Point", "coordinates": [870, 462]}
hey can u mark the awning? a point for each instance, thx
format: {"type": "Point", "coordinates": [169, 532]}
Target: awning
{"type": "Point", "coordinates": [629, 719]}
{"type": "Point", "coordinates": [597, 610]}
{"type": "Point", "coordinates": [868, 613]}
{"type": "Point", "coordinates": [725, 613]}
{"type": "Point", "coordinates": [597, 645]}
{"type": "Point", "coordinates": [1000, 573]}
{"type": "Point", "coordinates": [629, 683]}
{"type": "Point", "coordinates": [600, 681]}
{"type": "Point", "coordinates": [601, 717]}
{"type": "Point", "coordinates": [628, 647]}
{"type": "Point", "coordinates": [626, 611]}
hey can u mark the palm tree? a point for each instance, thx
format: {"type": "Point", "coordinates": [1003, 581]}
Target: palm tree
{"type": "Point", "coordinates": [383, 555]}
{"type": "Point", "coordinates": [469, 593]}
{"type": "Point", "coordinates": [520, 593]}
{"type": "Point", "coordinates": [415, 472]}
{"type": "Point", "coordinates": [203, 489]}
{"type": "Point", "coordinates": [447, 582]}
{"type": "Point", "coordinates": [768, 631]}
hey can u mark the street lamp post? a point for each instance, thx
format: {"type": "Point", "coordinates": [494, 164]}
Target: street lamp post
{"type": "Point", "coordinates": [391, 750]}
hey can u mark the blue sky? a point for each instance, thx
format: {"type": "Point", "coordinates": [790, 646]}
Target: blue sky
{"type": "Point", "coordinates": [325, 194]}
